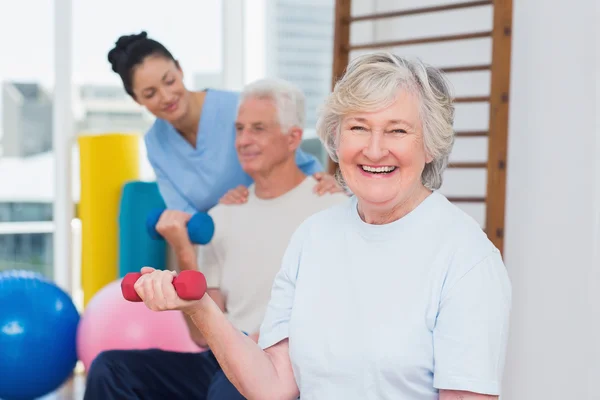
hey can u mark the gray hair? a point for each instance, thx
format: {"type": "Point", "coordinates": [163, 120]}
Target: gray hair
{"type": "Point", "coordinates": [371, 83]}
{"type": "Point", "coordinates": [288, 98]}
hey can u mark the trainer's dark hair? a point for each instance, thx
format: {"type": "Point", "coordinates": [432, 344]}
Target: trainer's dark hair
{"type": "Point", "coordinates": [132, 50]}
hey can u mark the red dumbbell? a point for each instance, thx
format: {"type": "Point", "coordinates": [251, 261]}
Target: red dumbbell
{"type": "Point", "coordinates": [189, 285]}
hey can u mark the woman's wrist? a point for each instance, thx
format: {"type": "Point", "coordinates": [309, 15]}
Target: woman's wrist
{"type": "Point", "coordinates": [199, 308]}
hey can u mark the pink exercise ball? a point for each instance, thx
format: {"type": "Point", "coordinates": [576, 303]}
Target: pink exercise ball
{"type": "Point", "coordinates": [110, 322]}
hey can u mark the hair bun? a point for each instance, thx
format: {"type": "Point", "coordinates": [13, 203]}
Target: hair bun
{"type": "Point", "coordinates": [117, 54]}
{"type": "Point", "coordinates": [127, 40]}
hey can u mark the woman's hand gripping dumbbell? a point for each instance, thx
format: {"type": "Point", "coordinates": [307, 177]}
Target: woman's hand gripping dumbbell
{"type": "Point", "coordinates": [165, 289]}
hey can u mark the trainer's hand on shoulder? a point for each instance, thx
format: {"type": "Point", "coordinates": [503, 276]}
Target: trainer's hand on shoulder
{"type": "Point", "coordinates": [172, 224]}
{"type": "Point", "coordinates": [326, 184]}
{"type": "Point", "coordinates": [155, 288]}
{"type": "Point", "coordinates": [238, 195]}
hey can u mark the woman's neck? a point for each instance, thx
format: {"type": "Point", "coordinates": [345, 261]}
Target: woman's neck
{"type": "Point", "coordinates": [187, 126]}
{"type": "Point", "coordinates": [376, 215]}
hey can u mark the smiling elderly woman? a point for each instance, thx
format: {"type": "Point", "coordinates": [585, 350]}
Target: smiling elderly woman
{"type": "Point", "coordinates": [397, 294]}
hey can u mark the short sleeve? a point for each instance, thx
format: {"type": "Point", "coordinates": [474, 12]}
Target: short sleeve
{"type": "Point", "coordinates": [275, 325]}
{"type": "Point", "coordinates": [470, 334]}
{"type": "Point", "coordinates": [308, 163]}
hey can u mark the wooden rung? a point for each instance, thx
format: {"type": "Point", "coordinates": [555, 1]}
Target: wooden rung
{"type": "Point", "coordinates": [466, 199]}
{"type": "Point", "coordinates": [423, 10]}
{"type": "Point", "coordinates": [472, 99]}
{"type": "Point", "coordinates": [433, 39]}
{"type": "Point", "coordinates": [471, 133]}
{"type": "Point", "coordinates": [468, 165]}
{"type": "Point", "coordinates": [467, 68]}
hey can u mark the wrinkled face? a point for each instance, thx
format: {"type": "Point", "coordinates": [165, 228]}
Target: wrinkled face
{"type": "Point", "coordinates": [158, 86]}
{"type": "Point", "coordinates": [260, 142]}
{"type": "Point", "coordinates": [382, 154]}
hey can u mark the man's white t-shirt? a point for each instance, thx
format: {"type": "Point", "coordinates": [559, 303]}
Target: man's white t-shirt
{"type": "Point", "coordinates": [246, 251]}
{"type": "Point", "coordinates": [395, 311]}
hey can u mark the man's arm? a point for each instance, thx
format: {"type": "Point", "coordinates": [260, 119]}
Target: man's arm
{"type": "Point", "coordinates": [172, 226]}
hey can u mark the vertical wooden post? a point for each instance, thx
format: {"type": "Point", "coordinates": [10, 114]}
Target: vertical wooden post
{"type": "Point", "coordinates": [341, 43]}
{"type": "Point", "coordinates": [498, 123]}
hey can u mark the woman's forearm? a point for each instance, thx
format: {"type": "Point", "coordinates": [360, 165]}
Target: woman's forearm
{"type": "Point", "coordinates": [195, 334]}
{"type": "Point", "coordinates": [250, 369]}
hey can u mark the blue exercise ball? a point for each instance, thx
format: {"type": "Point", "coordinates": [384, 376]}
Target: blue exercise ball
{"type": "Point", "coordinates": [38, 328]}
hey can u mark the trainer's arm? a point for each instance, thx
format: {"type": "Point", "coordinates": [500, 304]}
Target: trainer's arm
{"type": "Point", "coordinates": [256, 373]}
{"type": "Point", "coordinates": [179, 211]}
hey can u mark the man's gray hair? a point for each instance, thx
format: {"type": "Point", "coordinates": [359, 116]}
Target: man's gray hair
{"type": "Point", "coordinates": [288, 98]}
{"type": "Point", "coordinates": [371, 83]}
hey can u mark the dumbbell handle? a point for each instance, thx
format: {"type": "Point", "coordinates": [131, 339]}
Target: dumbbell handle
{"type": "Point", "coordinates": [189, 285]}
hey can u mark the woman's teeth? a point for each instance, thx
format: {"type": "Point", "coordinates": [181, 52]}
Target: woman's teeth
{"type": "Point", "coordinates": [378, 170]}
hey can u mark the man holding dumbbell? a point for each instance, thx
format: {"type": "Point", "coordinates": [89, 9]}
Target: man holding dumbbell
{"type": "Point", "coordinates": [241, 260]}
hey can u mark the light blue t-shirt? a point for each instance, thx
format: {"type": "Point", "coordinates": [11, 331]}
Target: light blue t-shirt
{"type": "Point", "coordinates": [194, 179]}
{"type": "Point", "coordinates": [395, 311]}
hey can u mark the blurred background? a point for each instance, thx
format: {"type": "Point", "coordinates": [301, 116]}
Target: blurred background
{"type": "Point", "coordinates": [526, 163]}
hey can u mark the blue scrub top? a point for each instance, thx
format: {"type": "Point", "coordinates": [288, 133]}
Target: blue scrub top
{"type": "Point", "coordinates": [194, 179]}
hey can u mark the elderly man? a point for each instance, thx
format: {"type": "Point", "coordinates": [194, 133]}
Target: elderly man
{"type": "Point", "coordinates": [241, 261]}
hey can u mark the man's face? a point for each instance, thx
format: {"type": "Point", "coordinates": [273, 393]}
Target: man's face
{"type": "Point", "coordinates": [260, 142]}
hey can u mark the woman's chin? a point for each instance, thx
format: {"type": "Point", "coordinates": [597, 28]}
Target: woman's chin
{"type": "Point", "coordinates": [377, 202]}
{"type": "Point", "coordinates": [175, 115]}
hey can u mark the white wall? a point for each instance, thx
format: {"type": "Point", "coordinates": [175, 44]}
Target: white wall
{"type": "Point", "coordinates": [597, 107]}
{"type": "Point", "coordinates": [552, 181]}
